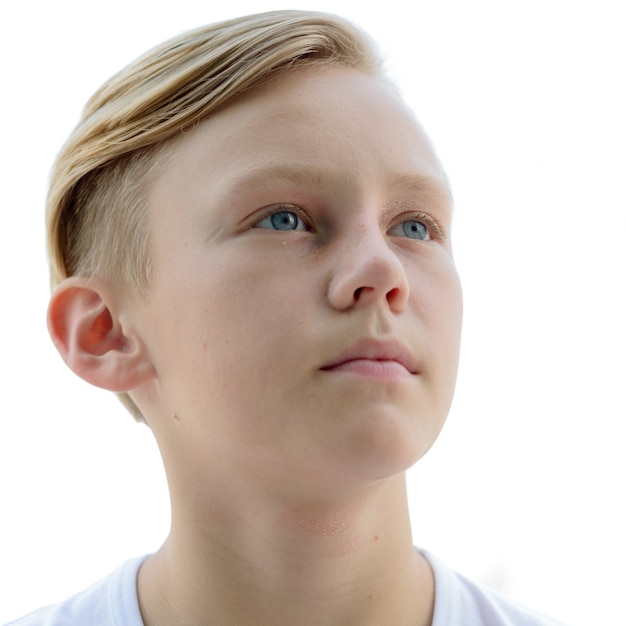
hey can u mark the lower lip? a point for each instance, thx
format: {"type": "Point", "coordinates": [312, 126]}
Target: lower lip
{"type": "Point", "coordinates": [384, 370]}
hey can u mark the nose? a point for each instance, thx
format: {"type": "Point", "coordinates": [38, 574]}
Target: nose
{"type": "Point", "coordinates": [368, 271]}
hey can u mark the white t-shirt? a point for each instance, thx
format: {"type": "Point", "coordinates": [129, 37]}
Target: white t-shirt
{"type": "Point", "coordinates": [113, 602]}
{"type": "Point", "coordinates": [461, 602]}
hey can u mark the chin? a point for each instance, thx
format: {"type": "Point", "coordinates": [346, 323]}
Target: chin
{"type": "Point", "coordinates": [389, 445]}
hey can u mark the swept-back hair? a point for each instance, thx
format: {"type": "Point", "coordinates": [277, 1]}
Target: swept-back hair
{"type": "Point", "coordinates": [96, 214]}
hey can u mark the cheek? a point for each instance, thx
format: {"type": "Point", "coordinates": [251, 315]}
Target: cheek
{"type": "Point", "coordinates": [439, 300]}
{"type": "Point", "coordinates": [437, 296]}
{"type": "Point", "coordinates": [220, 327]}
{"type": "Point", "coordinates": [451, 309]}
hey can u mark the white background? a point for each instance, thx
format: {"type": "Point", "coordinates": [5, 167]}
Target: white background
{"type": "Point", "coordinates": [526, 104]}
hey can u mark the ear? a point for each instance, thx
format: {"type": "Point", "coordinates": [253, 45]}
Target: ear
{"type": "Point", "coordinates": [92, 341]}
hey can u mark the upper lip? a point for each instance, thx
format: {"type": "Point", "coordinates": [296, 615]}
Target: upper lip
{"type": "Point", "coordinates": [377, 350]}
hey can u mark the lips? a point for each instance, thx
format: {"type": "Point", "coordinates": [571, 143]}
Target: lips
{"type": "Point", "coordinates": [375, 357]}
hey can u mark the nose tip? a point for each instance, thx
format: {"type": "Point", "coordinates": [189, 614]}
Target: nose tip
{"type": "Point", "coordinates": [369, 276]}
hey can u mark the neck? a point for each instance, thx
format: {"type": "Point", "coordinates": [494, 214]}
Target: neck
{"type": "Point", "coordinates": [345, 562]}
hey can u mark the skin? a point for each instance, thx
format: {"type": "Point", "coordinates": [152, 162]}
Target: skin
{"type": "Point", "coordinates": [298, 350]}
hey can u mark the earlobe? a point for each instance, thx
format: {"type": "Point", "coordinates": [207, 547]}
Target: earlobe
{"type": "Point", "coordinates": [91, 340]}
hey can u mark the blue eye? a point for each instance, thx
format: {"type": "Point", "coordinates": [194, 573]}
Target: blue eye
{"type": "Point", "coordinates": [282, 220]}
{"type": "Point", "coordinates": [413, 229]}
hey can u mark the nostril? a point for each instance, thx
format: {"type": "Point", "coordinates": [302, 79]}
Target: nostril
{"type": "Point", "coordinates": [393, 293]}
{"type": "Point", "coordinates": [357, 293]}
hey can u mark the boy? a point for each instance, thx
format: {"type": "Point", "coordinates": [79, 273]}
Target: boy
{"type": "Point", "coordinates": [249, 241]}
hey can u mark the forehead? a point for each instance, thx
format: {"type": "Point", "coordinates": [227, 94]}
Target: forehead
{"type": "Point", "coordinates": [332, 126]}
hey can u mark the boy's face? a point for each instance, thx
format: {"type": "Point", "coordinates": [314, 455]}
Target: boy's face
{"type": "Point", "coordinates": [304, 312]}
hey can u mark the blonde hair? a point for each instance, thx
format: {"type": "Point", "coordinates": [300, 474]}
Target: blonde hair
{"type": "Point", "coordinates": [96, 214]}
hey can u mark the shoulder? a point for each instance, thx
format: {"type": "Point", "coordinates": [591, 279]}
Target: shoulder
{"type": "Point", "coordinates": [111, 601]}
{"type": "Point", "coordinates": [459, 601]}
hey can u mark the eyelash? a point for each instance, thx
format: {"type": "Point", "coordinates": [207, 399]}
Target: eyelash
{"type": "Point", "coordinates": [286, 208]}
{"type": "Point", "coordinates": [435, 231]}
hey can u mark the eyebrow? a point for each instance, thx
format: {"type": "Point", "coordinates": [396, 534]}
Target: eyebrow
{"type": "Point", "coordinates": [289, 173]}
{"type": "Point", "coordinates": [305, 174]}
{"type": "Point", "coordinates": [420, 183]}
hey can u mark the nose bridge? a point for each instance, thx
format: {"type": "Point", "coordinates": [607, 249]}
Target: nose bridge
{"type": "Point", "coordinates": [368, 269]}
{"type": "Point", "coordinates": [373, 254]}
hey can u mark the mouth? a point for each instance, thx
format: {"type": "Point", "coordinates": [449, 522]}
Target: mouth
{"type": "Point", "coordinates": [375, 359]}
